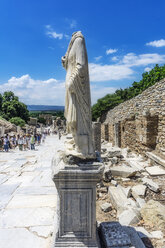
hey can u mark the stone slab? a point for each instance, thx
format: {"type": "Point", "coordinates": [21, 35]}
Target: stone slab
{"type": "Point", "coordinates": [114, 152]}
{"type": "Point", "coordinates": [140, 202]}
{"type": "Point", "coordinates": [138, 190]}
{"type": "Point", "coordinates": [36, 190]}
{"type": "Point", "coordinates": [150, 184]}
{"type": "Point", "coordinates": [3, 178]}
{"type": "Point", "coordinates": [136, 165]}
{"type": "Point", "coordinates": [25, 217]}
{"type": "Point", "coordinates": [106, 207]}
{"type": "Point", "coordinates": [156, 158]}
{"type": "Point", "coordinates": [156, 235]}
{"type": "Point", "coordinates": [21, 238]}
{"type": "Point", "coordinates": [42, 231]}
{"type": "Point", "coordinates": [129, 217]}
{"type": "Point", "coordinates": [155, 171]}
{"type": "Point", "coordinates": [123, 171]}
{"type": "Point", "coordinates": [6, 193]}
{"type": "Point", "coordinates": [32, 201]}
{"type": "Point", "coordinates": [118, 198]}
{"type": "Point", "coordinates": [142, 232]}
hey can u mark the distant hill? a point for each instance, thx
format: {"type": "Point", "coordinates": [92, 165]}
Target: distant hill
{"type": "Point", "coordinates": [45, 108]}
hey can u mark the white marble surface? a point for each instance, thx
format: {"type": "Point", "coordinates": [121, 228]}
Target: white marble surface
{"type": "Point", "coordinates": [28, 196]}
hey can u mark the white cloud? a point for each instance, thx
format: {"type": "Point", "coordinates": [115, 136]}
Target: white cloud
{"type": "Point", "coordinates": [52, 34]}
{"type": "Point", "coordinates": [31, 91]}
{"type": "Point", "coordinates": [100, 91]}
{"type": "Point", "coordinates": [100, 72]}
{"type": "Point", "coordinates": [67, 36]}
{"type": "Point", "coordinates": [147, 69]}
{"type": "Point", "coordinates": [115, 58]}
{"type": "Point", "coordinates": [156, 43]}
{"type": "Point", "coordinates": [131, 59]}
{"type": "Point", "coordinates": [123, 68]}
{"type": "Point", "coordinates": [110, 51]}
{"type": "Point", "coordinates": [98, 58]}
{"type": "Point", "coordinates": [46, 92]}
{"type": "Point", "coordinates": [73, 23]}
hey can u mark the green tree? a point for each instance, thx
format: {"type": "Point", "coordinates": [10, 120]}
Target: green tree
{"type": "Point", "coordinates": [17, 121]}
{"type": "Point", "coordinates": [12, 107]}
{"type": "Point", "coordinates": [41, 120]}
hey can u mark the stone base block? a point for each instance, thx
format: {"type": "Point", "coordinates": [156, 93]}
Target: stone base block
{"type": "Point", "coordinates": [75, 222]}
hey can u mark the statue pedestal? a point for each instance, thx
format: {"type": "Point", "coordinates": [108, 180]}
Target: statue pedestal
{"type": "Point", "coordinates": [75, 221]}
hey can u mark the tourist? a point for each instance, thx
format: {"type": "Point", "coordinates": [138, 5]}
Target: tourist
{"type": "Point", "coordinates": [59, 135]}
{"type": "Point", "coordinates": [38, 139]}
{"type": "Point", "coordinates": [43, 137]}
{"type": "Point", "coordinates": [13, 141]}
{"type": "Point", "coordinates": [32, 142]}
{"type": "Point", "coordinates": [24, 142]}
{"type": "Point", "coordinates": [6, 143]}
{"type": "Point", "coordinates": [29, 141]}
{"type": "Point", "coordinates": [20, 142]}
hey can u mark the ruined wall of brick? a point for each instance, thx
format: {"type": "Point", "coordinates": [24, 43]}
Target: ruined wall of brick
{"type": "Point", "coordinates": [141, 121]}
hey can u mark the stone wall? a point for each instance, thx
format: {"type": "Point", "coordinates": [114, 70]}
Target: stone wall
{"type": "Point", "coordinates": [97, 135]}
{"type": "Point", "coordinates": [140, 122]}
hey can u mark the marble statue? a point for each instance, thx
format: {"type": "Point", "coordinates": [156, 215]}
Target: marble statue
{"type": "Point", "coordinates": [78, 100]}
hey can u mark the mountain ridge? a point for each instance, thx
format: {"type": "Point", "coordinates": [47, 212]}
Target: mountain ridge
{"type": "Point", "coordinates": [45, 108]}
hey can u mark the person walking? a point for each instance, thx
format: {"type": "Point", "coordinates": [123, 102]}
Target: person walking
{"type": "Point", "coordinates": [32, 142]}
{"type": "Point", "coordinates": [20, 142]}
{"type": "Point", "coordinates": [6, 144]}
{"type": "Point", "coordinates": [59, 135]}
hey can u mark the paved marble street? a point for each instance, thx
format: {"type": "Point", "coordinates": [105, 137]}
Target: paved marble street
{"type": "Point", "coordinates": [28, 196]}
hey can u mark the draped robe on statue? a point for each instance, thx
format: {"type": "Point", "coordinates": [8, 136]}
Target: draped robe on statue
{"type": "Point", "coordinates": [78, 101]}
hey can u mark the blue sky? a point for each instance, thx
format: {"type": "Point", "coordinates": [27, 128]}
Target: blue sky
{"type": "Point", "coordinates": [124, 38]}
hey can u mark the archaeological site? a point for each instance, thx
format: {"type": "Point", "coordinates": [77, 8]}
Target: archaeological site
{"type": "Point", "coordinates": [82, 124]}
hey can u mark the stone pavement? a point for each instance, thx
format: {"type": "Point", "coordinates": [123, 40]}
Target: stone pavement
{"type": "Point", "coordinates": [28, 196]}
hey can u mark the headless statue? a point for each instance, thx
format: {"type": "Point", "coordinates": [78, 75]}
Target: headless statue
{"type": "Point", "coordinates": [78, 100]}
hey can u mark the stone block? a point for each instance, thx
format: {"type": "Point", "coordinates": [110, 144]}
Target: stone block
{"type": "Point", "coordinates": [107, 175]}
{"type": "Point", "coordinates": [142, 232]}
{"type": "Point", "coordinates": [76, 215]}
{"type": "Point", "coordinates": [113, 235]}
{"type": "Point", "coordinates": [127, 191]}
{"type": "Point", "coordinates": [118, 199]}
{"type": "Point", "coordinates": [113, 160]}
{"type": "Point", "coordinates": [156, 235]}
{"type": "Point", "coordinates": [140, 202]}
{"type": "Point", "coordinates": [114, 182]}
{"type": "Point", "coordinates": [155, 171]}
{"type": "Point", "coordinates": [103, 190]}
{"type": "Point", "coordinates": [114, 152]}
{"type": "Point", "coordinates": [129, 217]}
{"type": "Point", "coordinates": [138, 190]}
{"type": "Point", "coordinates": [136, 165]}
{"type": "Point", "coordinates": [156, 158]}
{"type": "Point", "coordinates": [123, 171]}
{"type": "Point", "coordinates": [106, 207]}
{"type": "Point", "coordinates": [151, 185]}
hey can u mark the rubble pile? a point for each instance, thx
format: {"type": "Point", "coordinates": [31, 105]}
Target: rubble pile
{"type": "Point", "coordinates": [132, 193]}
